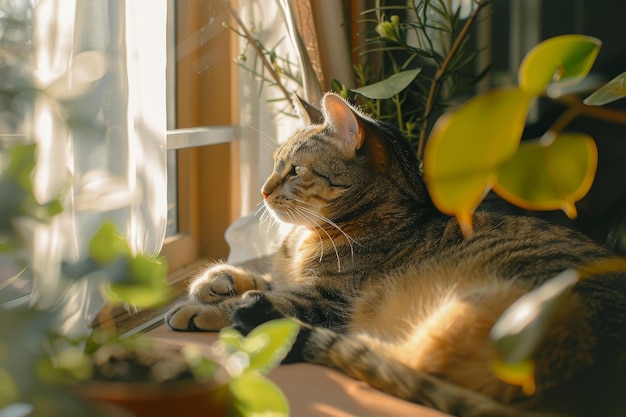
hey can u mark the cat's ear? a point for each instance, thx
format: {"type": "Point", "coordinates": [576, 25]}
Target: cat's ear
{"type": "Point", "coordinates": [306, 112]}
{"type": "Point", "coordinates": [340, 116]}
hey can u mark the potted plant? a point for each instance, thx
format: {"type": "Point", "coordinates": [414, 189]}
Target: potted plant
{"type": "Point", "coordinates": [45, 371]}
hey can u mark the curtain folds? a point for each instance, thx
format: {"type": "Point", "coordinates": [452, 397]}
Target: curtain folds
{"type": "Point", "coordinates": [86, 84]}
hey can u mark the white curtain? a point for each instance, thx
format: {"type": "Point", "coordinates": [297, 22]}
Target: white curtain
{"type": "Point", "coordinates": [85, 81]}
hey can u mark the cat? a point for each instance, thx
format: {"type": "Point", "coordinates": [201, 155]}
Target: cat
{"type": "Point", "coordinates": [389, 291]}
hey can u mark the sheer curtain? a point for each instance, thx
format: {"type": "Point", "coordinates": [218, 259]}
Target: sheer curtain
{"type": "Point", "coordinates": [84, 80]}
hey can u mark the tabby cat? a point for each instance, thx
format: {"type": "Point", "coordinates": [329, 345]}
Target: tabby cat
{"type": "Point", "coordinates": [389, 291]}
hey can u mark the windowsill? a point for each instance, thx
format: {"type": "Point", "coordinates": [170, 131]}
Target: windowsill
{"type": "Point", "coordinates": [128, 321]}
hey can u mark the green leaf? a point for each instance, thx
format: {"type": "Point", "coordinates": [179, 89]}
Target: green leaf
{"type": "Point", "coordinates": [22, 165]}
{"type": "Point", "coordinates": [520, 329]}
{"type": "Point", "coordinates": [550, 176]}
{"type": "Point", "coordinates": [521, 374]}
{"type": "Point", "coordinates": [562, 58]}
{"type": "Point", "coordinates": [41, 212]}
{"type": "Point", "coordinates": [464, 152]}
{"type": "Point", "coordinates": [137, 295]}
{"type": "Point", "coordinates": [233, 340]}
{"type": "Point", "coordinates": [608, 93]}
{"type": "Point", "coordinates": [256, 396]}
{"type": "Point", "coordinates": [147, 269]}
{"type": "Point", "coordinates": [145, 284]}
{"type": "Point", "coordinates": [107, 245]}
{"type": "Point", "coordinates": [270, 342]}
{"type": "Point", "coordinates": [9, 392]}
{"type": "Point", "coordinates": [388, 88]}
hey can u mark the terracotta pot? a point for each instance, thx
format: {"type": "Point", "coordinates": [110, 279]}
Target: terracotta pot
{"type": "Point", "coordinates": [178, 398]}
{"type": "Point", "coordinates": [182, 397]}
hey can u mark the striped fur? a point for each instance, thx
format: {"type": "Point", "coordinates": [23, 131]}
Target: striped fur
{"type": "Point", "coordinates": [389, 291]}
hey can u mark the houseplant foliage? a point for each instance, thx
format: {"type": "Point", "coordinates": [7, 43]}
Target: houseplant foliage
{"type": "Point", "coordinates": [414, 60]}
{"type": "Point", "coordinates": [478, 147]}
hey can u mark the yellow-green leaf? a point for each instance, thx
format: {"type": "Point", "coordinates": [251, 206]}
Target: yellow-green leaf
{"type": "Point", "coordinates": [521, 328]}
{"type": "Point", "coordinates": [520, 374]}
{"type": "Point", "coordinates": [137, 295]}
{"type": "Point", "coordinates": [144, 284]}
{"type": "Point", "coordinates": [9, 391]}
{"type": "Point", "coordinates": [552, 176]}
{"type": "Point", "coordinates": [466, 148]}
{"type": "Point", "coordinates": [608, 93]}
{"type": "Point", "coordinates": [108, 244]}
{"type": "Point", "coordinates": [256, 396]}
{"type": "Point", "coordinates": [278, 336]}
{"type": "Point", "coordinates": [566, 57]}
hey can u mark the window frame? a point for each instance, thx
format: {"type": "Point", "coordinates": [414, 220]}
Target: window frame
{"type": "Point", "coordinates": [202, 130]}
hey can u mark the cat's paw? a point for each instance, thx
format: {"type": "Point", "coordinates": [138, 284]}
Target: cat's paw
{"type": "Point", "coordinates": [254, 309]}
{"type": "Point", "coordinates": [191, 316]}
{"type": "Point", "coordinates": [223, 281]}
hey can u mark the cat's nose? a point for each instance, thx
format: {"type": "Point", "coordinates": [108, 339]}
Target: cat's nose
{"type": "Point", "coordinates": [269, 186]}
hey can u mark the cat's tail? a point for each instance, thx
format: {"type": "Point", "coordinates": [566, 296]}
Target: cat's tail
{"type": "Point", "coordinates": [325, 347]}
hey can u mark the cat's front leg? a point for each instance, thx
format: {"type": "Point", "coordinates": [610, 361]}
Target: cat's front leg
{"type": "Point", "coordinates": [213, 296]}
{"type": "Point", "coordinates": [223, 281]}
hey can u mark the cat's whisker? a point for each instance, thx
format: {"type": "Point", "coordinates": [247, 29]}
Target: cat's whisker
{"type": "Point", "coordinates": [260, 208]}
{"type": "Point", "coordinates": [306, 213]}
{"type": "Point", "coordinates": [349, 239]}
{"type": "Point", "coordinates": [302, 202]}
{"type": "Point", "coordinates": [311, 223]}
{"type": "Point", "coordinates": [263, 214]}
{"type": "Point", "coordinates": [267, 140]}
{"type": "Point", "coordinates": [334, 225]}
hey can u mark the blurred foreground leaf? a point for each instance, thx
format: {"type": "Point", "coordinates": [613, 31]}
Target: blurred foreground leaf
{"type": "Point", "coordinates": [108, 245]}
{"type": "Point", "coordinates": [256, 396]}
{"type": "Point", "coordinates": [277, 337]}
{"type": "Point", "coordinates": [608, 93]}
{"type": "Point", "coordinates": [550, 176]}
{"type": "Point", "coordinates": [144, 284]}
{"type": "Point", "coordinates": [566, 58]}
{"type": "Point", "coordinates": [467, 147]}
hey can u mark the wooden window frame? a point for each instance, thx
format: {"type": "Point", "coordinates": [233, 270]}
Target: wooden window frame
{"type": "Point", "coordinates": [206, 96]}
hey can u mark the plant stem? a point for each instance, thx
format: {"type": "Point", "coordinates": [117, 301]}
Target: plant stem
{"type": "Point", "coordinates": [576, 108]}
{"type": "Point", "coordinates": [396, 100]}
{"type": "Point", "coordinates": [430, 102]}
{"type": "Point", "coordinates": [255, 44]}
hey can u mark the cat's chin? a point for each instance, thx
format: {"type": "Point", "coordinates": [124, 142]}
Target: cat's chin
{"type": "Point", "coordinates": [284, 218]}
{"type": "Point", "coordinates": [279, 217]}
